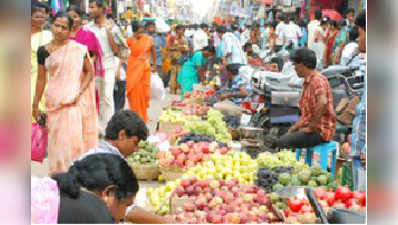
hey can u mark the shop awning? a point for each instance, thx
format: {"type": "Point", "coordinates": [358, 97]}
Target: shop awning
{"type": "Point", "coordinates": [267, 2]}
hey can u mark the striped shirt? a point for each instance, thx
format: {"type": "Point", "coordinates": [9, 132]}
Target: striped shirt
{"type": "Point", "coordinates": [315, 86]}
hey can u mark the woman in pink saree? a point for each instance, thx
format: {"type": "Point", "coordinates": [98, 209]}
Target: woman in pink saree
{"type": "Point", "coordinates": [88, 38]}
{"type": "Point", "coordinates": [70, 75]}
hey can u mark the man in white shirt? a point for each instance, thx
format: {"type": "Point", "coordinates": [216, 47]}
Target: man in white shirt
{"type": "Point", "coordinates": [350, 50]}
{"type": "Point", "coordinates": [312, 26]}
{"type": "Point", "coordinates": [279, 31]}
{"type": "Point", "coordinates": [200, 38]}
{"type": "Point", "coordinates": [231, 52]}
{"type": "Point", "coordinates": [103, 29]}
{"type": "Point", "coordinates": [291, 33]}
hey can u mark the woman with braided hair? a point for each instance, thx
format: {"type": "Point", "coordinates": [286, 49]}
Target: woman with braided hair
{"type": "Point", "coordinates": [96, 189]}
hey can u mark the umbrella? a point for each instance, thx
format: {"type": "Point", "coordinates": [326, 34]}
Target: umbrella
{"type": "Point", "coordinates": [332, 14]}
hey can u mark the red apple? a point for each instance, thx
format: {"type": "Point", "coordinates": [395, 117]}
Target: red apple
{"type": "Point", "coordinates": [189, 207]}
{"type": "Point", "coordinates": [190, 190]}
{"type": "Point", "coordinates": [203, 183]}
{"type": "Point", "coordinates": [243, 218]}
{"type": "Point", "coordinates": [179, 163]}
{"type": "Point", "coordinates": [198, 190]}
{"type": "Point", "coordinates": [224, 150]}
{"type": "Point", "coordinates": [185, 183]}
{"type": "Point", "coordinates": [217, 219]}
{"type": "Point", "coordinates": [262, 200]}
{"type": "Point", "coordinates": [180, 191]}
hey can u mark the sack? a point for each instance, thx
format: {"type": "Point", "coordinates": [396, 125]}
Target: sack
{"type": "Point", "coordinates": [346, 110]}
{"type": "Point", "coordinates": [38, 140]}
{"type": "Point", "coordinates": [157, 87]}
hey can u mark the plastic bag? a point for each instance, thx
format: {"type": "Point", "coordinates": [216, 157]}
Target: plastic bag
{"type": "Point", "coordinates": [45, 201]}
{"type": "Point", "coordinates": [157, 89]}
{"type": "Point", "coordinates": [38, 140]}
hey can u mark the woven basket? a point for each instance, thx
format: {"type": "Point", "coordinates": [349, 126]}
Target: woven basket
{"type": "Point", "coordinates": [176, 202]}
{"type": "Point", "coordinates": [235, 133]}
{"type": "Point", "coordinates": [171, 173]}
{"type": "Point", "coordinates": [146, 172]}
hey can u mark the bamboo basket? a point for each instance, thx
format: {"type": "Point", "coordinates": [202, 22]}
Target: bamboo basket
{"type": "Point", "coordinates": [171, 173]}
{"type": "Point", "coordinates": [146, 172]}
{"type": "Point", "coordinates": [177, 202]}
{"type": "Point", "coordinates": [235, 133]}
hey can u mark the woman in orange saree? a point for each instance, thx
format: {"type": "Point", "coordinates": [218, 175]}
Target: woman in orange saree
{"type": "Point", "coordinates": [70, 74]}
{"type": "Point", "coordinates": [138, 79]}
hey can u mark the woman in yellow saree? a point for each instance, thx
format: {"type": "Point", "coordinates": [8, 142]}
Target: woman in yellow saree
{"type": "Point", "coordinates": [38, 37]}
{"type": "Point", "coordinates": [138, 79]}
{"type": "Point", "coordinates": [70, 73]}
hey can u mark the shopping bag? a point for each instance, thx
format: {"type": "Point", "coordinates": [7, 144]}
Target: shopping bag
{"type": "Point", "coordinates": [157, 88]}
{"type": "Point", "coordinates": [38, 140]}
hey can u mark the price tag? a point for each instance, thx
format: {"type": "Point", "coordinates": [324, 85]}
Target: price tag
{"type": "Point", "coordinates": [245, 119]}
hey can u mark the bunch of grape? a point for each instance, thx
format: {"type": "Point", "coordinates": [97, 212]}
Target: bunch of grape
{"type": "Point", "coordinates": [195, 138]}
{"type": "Point", "coordinates": [266, 178]}
{"type": "Point", "coordinates": [282, 169]}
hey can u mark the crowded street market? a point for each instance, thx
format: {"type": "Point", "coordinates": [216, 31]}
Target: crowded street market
{"type": "Point", "coordinates": [198, 112]}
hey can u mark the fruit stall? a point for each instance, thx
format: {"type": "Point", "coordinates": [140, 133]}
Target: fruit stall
{"type": "Point", "coordinates": [204, 176]}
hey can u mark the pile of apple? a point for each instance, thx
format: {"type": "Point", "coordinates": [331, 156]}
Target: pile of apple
{"type": "Point", "coordinates": [231, 166]}
{"type": "Point", "coordinates": [222, 201]}
{"type": "Point", "coordinates": [343, 197]}
{"type": "Point", "coordinates": [190, 154]}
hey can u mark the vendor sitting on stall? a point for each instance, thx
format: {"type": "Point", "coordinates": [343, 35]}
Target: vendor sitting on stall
{"type": "Point", "coordinates": [230, 103]}
{"type": "Point", "coordinates": [317, 123]}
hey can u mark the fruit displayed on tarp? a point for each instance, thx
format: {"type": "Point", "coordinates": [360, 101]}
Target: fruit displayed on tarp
{"type": "Point", "coordinates": [190, 154]}
{"type": "Point", "coordinates": [213, 201]}
{"type": "Point", "coordinates": [146, 154]}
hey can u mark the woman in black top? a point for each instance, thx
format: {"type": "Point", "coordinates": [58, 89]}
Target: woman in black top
{"type": "Point", "coordinates": [96, 189]}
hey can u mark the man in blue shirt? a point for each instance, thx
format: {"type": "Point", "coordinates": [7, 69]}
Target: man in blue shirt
{"type": "Point", "coordinates": [230, 103]}
{"type": "Point", "coordinates": [358, 148]}
{"type": "Point", "coordinates": [159, 41]}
